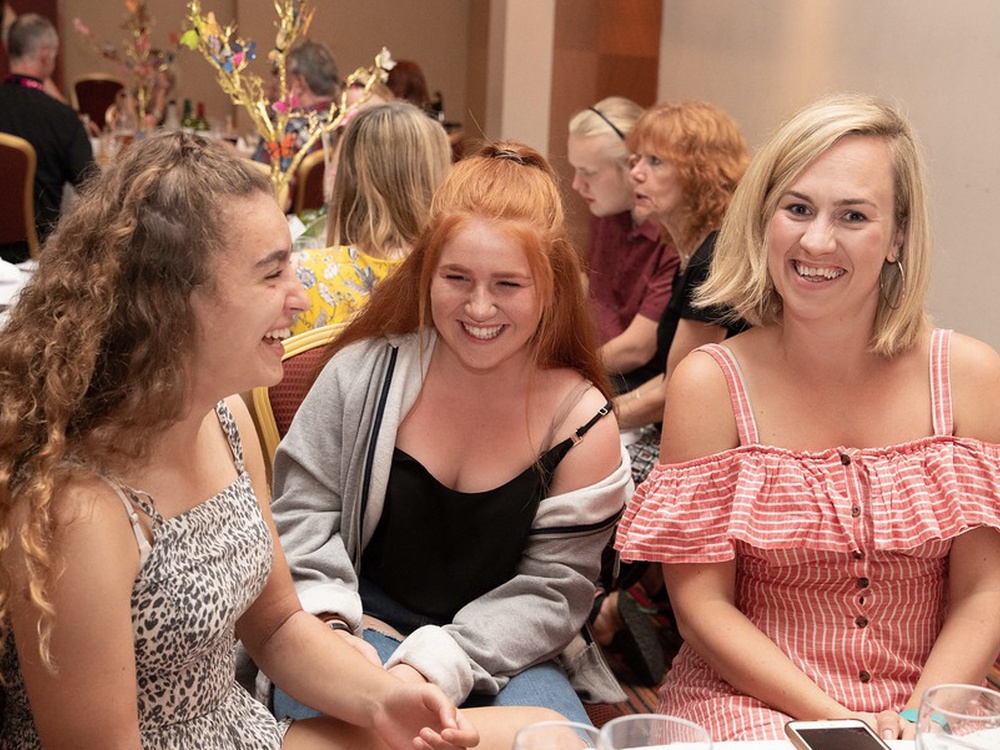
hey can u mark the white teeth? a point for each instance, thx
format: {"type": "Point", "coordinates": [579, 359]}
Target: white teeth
{"type": "Point", "coordinates": [825, 273]}
{"type": "Point", "coordinates": [279, 334]}
{"type": "Point", "coordinates": [483, 333]}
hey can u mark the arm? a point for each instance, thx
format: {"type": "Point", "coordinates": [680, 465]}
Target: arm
{"type": "Point", "coordinates": [632, 348]}
{"type": "Point", "coordinates": [644, 405]}
{"type": "Point", "coordinates": [532, 617]}
{"type": "Point", "coordinates": [703, 599]}
{"type": "Point", "coordinates": [91, 701]}
{"type": "Point", "coordinates": [337, 680]}
{"type": "Point", "coordinates": [970, 637]}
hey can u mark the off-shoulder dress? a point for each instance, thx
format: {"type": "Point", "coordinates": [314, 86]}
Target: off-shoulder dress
{"type": "Point", "coordinates": [842, 554]}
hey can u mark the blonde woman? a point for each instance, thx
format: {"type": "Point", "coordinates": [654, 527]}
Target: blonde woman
{"type": "Point", "coordinates": [827, 508]}
{"type": "Point", "coordinates": [392, 157]}
{"type": "Point", "coordinates": [630, 269]}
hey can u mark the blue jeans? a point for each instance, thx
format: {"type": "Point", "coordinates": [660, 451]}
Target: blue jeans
{"type": "Point", "coordinates": [543, 685]}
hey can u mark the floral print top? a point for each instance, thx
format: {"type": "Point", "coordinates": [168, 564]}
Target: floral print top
{"type": "Point", "coordinates": [338, 281]}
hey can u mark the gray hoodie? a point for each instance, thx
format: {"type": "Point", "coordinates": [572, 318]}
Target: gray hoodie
{"type": "Point", "coordinates": [330, 478]}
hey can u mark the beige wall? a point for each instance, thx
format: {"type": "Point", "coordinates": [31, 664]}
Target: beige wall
{"type": "Point", "coordinates": [104, 17]}
{"type": "Point", "coordinates": [760, 59]}
{"type": "Point", "coordinates": [432, 32]}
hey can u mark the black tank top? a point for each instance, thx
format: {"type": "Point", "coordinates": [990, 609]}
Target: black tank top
{"type": "Point", "coordinates": [436, 549]}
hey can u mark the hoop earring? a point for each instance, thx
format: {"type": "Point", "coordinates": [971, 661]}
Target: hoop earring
{"type": "Point", "coordinates": [893, 304]}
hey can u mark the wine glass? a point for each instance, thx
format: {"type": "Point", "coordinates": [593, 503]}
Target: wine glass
{"type": "Point", "coordinates": [959, 717]}
{"type": "Point", "coordinates": [555, 735]}
{"type": "Point", "coordinates": [653, 731]}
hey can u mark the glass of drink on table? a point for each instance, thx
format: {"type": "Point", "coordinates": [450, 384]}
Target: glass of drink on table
{"type": "Point", "coordinates": [555, 735]}
{"type": "Point", "coordinates": [653, 731]}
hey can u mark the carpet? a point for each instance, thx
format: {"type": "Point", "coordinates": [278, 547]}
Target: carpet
{"type": "Point", "coordinates": [641, 699]}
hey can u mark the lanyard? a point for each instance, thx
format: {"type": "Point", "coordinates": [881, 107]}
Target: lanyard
{"type": "Point", "coordinates": [28, 83]}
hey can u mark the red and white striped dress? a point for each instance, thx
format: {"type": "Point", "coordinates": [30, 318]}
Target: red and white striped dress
{"type": "Point", "coordinates": [842, 554]}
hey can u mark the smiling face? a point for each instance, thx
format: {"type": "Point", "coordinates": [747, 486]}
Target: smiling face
{"type": "Point", "coordinates": [600, 179]}
{"type": "Point", "coordinates": [833, 230]}
{"type": "Point", "coordinates": [484, 301]}
{"type": "Point", "coordinates": [244, 313]}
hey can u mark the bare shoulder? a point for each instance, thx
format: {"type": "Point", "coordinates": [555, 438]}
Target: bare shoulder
{"type": "Point", "coordinates": [599, 453]}
{"type": "Point", "coordinates": [92, 530]}
{"type": "Point", "coordinates": [975, 380]}
{"type": "Point", "coordinates": [698, 414]}
{"type": "Point", "coordinates": [563, 383]}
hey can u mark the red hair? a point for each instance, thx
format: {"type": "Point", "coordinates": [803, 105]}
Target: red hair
{"type": "Point", "coordinates": [706, 146]}
{"type": "Point", "coordinates": [513, 187]}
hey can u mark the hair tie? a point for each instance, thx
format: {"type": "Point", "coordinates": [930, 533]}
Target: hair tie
{"type": "Point", "coordinates": [611, 125]}
{"type": "Point", "coordinates": [507, 153]}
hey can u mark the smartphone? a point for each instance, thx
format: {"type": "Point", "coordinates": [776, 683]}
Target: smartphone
{"type": "Point", "coordinates": [833, 734]}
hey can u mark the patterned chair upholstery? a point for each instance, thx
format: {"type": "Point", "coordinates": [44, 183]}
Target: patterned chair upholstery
{"type": "Point", "coordinates": [17, 176]}
{"type": "Point", "coordinates": [273, 408]}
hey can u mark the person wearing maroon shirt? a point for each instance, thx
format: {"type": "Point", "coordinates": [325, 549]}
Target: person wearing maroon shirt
{"type": "Point", "coordinates": [630, 269]}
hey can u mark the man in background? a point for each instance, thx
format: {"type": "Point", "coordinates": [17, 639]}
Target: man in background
{"type": "Point", "coordinates": [54, 129]}
{"type": "Point", "coordinates": [313, 82]}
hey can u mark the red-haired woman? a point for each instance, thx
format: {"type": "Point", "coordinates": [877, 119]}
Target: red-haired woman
{"type": "Point", "coordinates": [456, 470]}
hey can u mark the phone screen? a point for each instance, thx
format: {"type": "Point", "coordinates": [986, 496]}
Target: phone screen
{"type": "Point", "coordinates": [839, 738]}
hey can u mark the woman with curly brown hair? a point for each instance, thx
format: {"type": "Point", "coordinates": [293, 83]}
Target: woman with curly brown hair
{"type": "Point", "coordinates": [135, 533]}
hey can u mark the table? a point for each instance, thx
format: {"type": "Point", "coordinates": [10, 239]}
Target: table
{"type": "Point", "coordinates": [786, 745]}
{"type": "Point", "coordinates": [11, 283]}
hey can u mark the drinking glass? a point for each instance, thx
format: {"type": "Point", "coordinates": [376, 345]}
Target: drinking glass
{"type": "Point", "coordinates": [653, 731]}
{"type": "Point", "coordinates": [555, 735]}
{"type": "Point", "coordinates": [959, 717]}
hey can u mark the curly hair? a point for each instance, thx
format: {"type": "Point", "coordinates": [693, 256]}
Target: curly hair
{"type": "Point", "coordinates": [706, 147]}
{"type": "Point", "coordinates": [514, 187]}
{"type": "Point", "coordinates": [92, 359]}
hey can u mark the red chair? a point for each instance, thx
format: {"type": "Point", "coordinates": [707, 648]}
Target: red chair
{"type": "Point", "coordinates": [309, 179]}
{"type": "Point", "coordinates": [93, 93]}
{"type": "Point", "coordinates": [17, 175]}
{"type": "Point", "coordinates": [273, 408]}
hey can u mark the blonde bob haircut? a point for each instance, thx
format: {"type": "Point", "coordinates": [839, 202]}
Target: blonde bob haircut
{"type": "Point", "coordinates": [514, 188]}
{"type": "Point", "coordinates": [705, 146]}
{"type": "Point", "coordinates": [612, 112]}
{"type": "Point", "coordinates": [392, 158]}
{"type": "Point", "coordinates": [739, 277]}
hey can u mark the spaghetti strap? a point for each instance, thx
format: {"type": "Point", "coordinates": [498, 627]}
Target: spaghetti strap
{"type": "Point", "coordinates": [228, 423]}
{"type": "Point", "coordinates": [746, 425]}
{"type": "Point", "coordinates": [145, 548]}
{"type": "Point", "coordinates": [572, 399]}
{"type": "Point", "coordinates": [940, 373]}
{"type": "Point", "coordinates": [551, 458]}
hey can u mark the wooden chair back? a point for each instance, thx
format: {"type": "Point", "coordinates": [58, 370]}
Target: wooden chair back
{"type": "Point", "coordinates": [17, 176]}
{"type": "Point", "coordinates": [93, 94]}
{"type": "Point", "coordinates": [309, 180]}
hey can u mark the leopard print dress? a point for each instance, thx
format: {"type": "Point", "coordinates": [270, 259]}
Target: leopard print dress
{"type": "Point", "coordinates": [205, 567]}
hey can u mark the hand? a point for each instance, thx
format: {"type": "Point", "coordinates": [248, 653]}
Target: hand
{"type": "Point", "coordinates": [888, 725]}
{"type": "Point", "coordinates": [420, 716]}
